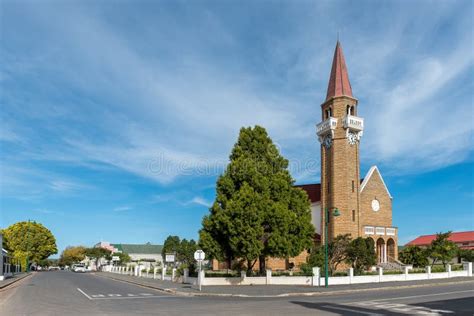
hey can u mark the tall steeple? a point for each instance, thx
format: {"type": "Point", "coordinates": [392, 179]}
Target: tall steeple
{"type": "Point", "coordinates": [339, 84]}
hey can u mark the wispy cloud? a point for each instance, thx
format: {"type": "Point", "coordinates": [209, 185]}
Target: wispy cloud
{"type": "Point", "coordinates": [199, 201]}
{"type": "Point", "coordinates": [122, 208]}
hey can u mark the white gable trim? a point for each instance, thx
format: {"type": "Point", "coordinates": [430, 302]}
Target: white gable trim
{"type": "Point", "coordinates": [369, 175]}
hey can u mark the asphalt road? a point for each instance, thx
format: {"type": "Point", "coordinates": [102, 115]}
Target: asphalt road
{"type": "Point", "coordinates": [67, 293]}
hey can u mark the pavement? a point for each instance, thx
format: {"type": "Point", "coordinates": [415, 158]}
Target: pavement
{"type": "Point", "coordinates": [273, 290]}
{"type": "Point", "coordinates": [68, 293]}
{"type": "Point", "coordinates": [13, 279]}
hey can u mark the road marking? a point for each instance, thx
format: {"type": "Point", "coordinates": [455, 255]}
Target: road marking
{"type": "Point", "coordinates": [351, 310]}
{"type": "Point", "coordinates": [114, 295]}
{"type": "Point", "coordinates": [416, 296]}
{"type": "Point", "coordinates": [145, 294]}
{"type": "Point", "coordinates": [402, 308]}
{"type": "Point", "coordinates": [84, 294]}
{"type": "Point", "coordinates": [131, 297]}
{"type": "Point", "coordinates": [98, 295]}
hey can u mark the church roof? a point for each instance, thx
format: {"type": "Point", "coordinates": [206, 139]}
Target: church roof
{"type": "Point", "coordinates": [314, 190]}
{"type": "Point", "coordinates": [339, 84]}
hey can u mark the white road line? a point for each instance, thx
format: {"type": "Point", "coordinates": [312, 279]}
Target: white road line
{"type": "Point", "coordinates": [416, 296]}
{"type": "Point", "coordinates": [130, 297]}
{"type": "Point", "coordinates": [84, 294]}
{"type": "Point", "coordinates": [351, 310]}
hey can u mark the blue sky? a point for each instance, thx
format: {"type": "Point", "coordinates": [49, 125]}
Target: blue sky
{"type": "Point", "coordinates": [117, 117]}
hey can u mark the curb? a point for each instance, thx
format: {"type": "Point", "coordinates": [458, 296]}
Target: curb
{"type": "Point", "coordinates": [4, 286]}
{"type": "Point", "coordinates": [291, 294]}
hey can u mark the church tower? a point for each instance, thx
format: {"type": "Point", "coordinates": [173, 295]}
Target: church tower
{"type": "Point", "coordinates": [339, 133]}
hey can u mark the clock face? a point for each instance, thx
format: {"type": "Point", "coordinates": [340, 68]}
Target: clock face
{"type": "Point", "coordinates": [375, 205]}
{"type": "Point", "coordinates": [327, 142]}
{"type": "Point", "coordinates": [352, 138]}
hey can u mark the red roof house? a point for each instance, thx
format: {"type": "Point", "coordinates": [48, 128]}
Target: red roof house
{"type": "Point", "coordinates": [465, 240]}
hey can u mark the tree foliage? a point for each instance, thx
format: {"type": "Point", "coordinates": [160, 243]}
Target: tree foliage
{"type": "Point", "coordinates": [414, 255]}
{"type": "Point", "coordinates": [123, 257]}
{"type": "Point", "coordinates": [338, 251]}
{"type": "Point", "coordinates": [442, 249]}
{"type": "Point", "coordinates": [257, 212]}
{"type": "Point", "coordinates": [29, 240]}
{"type": "Point", "coordinates": [361, 254]}
{"type": "Point", "coordinates": [96, 253]}
{"type": "Point", "coordinates": [466, 255]}
{"type": "Point", "coordinates": [72, 255]}
{"type": "Point", "coordinates": [171, 245]}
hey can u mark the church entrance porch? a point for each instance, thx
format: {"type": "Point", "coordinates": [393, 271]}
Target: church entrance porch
{"type": "Point", "coordinates": [381, 250]}
{"type": "Point", "coordinates": [391, 249]}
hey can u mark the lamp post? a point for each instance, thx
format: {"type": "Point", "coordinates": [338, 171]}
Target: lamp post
{"type": "Point", "coordinates": [336, 213]}
{"type": "Point", "coordinates": [28, 247]}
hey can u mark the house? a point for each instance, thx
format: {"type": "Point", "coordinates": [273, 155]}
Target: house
{"type": "Point", "coordinates": [464, 240]}
{"type": "Point", "coordinates": [146, 254]}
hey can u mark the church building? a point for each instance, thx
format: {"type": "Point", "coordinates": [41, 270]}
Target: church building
{"type": "Point", "coordinates": [364, 205]}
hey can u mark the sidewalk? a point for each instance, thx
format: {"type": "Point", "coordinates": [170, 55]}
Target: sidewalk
{"type": "Point", "coordinates": [273, 290]}
{"type": "Point", "coordinates": [15, 278]}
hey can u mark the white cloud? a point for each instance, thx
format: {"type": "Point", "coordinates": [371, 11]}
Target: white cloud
{"type": "Point", "coordinates": [122, 208]}
{"type": "Point", "coordinates": [200, 201]}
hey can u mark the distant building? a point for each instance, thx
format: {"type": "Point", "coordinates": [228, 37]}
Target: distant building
{"type": "Point", "coordinates": [464, 240]}
{"type": "Point", "coordinates": [144, 253]}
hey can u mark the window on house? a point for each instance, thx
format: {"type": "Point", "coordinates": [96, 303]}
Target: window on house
{"type": "Point", "coordinates": [353, 215]}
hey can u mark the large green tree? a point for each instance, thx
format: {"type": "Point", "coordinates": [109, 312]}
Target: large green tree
{"type": "Point", "coordinates": [414, 255]}
{"type": "Point", "coordinates": [72, 255]}
{"type": "Point", "coordinates": [257, 213]}
{"type": "Point", "coordinates": [442, 249]}
{"type": "Point", "coordinates": [361, 254]}
{"type": "Point", "coordinates": [29, 240]}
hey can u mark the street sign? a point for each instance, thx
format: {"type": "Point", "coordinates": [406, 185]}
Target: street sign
{"type": "Point", "coordinates": [115, 258]}
{"type": "Point", "coordinates": [199, 255]}
{"type": "Point", "coordinates": [169, 257]}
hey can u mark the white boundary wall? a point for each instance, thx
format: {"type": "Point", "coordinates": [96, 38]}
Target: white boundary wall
{"type": "Point", "coordinates": [317, 280]}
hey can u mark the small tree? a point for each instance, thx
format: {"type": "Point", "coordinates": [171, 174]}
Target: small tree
{"type": "Point", "coordinates": [185, 254]}
{"type": "Point", "coordinates": [466, 255]}
{"type": "Point", "coordinates": [123, 257]}
{"type": "Point", "coordinates": [361, 254]}
{"type": "Point", "coordinates": [414, 255]}
{"type": "Point", "coordinates": [442, 249]}
{"type": "Point", "coordinates": [71, 255]}
{"type": "Point", "coordinates": [97, 253]}
{"type": "Point", "coordinates": [171, 245]}
{"type": "Point", "coordinates": [337, 251]}
{"type": "Point", "coordinates": [315, 259]}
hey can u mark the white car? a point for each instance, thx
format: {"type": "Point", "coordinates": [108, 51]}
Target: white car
{"type": "Point", "coordinates": [79, 268]}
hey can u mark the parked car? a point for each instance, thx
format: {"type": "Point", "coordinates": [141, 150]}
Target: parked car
{"type": "Point", "coordinates": [53, 268]}
{"type": "Point", "coordinates": [79, 268]}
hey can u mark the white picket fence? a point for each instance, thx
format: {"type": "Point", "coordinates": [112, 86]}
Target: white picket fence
{"type": "Point", "coordinates": [315, 280]}
{"type": "Point", "coordinates": [318, 280]}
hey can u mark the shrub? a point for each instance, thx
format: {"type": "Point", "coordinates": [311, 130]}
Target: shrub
{"type": "Point", "coordinates": [392, 272]}
{"type": "Point", "coordinates": [419, 270]}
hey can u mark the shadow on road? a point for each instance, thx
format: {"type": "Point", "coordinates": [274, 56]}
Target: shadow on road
{"type": "Point", "coordinates": [460, 306]}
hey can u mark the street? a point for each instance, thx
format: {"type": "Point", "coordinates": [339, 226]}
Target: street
{"type": "Point", "coordinates": [67, 293]}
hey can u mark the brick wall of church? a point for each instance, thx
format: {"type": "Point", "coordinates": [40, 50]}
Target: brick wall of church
{"type": "Point", "coordinates": [340, 171]}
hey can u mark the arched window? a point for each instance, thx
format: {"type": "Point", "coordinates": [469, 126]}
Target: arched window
{"type": "Point", "coordinates": [348, 109]}
{"type": "Point", "coordinates": [353, 110]}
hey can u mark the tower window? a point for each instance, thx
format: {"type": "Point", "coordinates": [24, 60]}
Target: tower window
{"type": "Point", "coordinates": [329, 188]}
{"type": "Point", "coordinates": [353, 186]}
{"type": "Point", "coordinates": [353, 110]}
{"type": "Point", "coordinates": [348, 109]}
{"type": "Point", "coordinates": [353, 215]}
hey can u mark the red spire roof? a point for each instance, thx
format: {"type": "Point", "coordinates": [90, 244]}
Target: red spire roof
{"type": "Point", "coordinates": [339, 80]}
